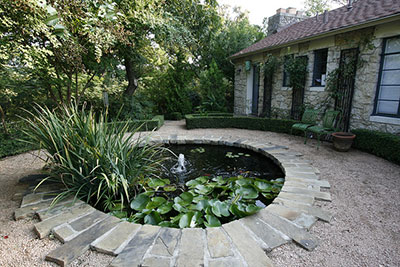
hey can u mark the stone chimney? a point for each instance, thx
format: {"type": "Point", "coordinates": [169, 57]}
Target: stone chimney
{"type": "Point", "coordinates": [283, 18]}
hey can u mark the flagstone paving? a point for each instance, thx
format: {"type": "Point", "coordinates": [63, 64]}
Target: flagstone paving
{"type": "Point", "coordinates": [243, 242]}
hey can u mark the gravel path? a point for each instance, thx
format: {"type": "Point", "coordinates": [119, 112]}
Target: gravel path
{"type": "Point", "coordinates": [366, 204]}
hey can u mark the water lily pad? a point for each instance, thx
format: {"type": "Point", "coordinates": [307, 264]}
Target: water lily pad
{"type": "Point", "coordinates": [212, 221]}
{"type": "Point", "coordinates": [220, 209]}
{"type": "Point", "coordinates": [155, 182]}
{"type": "Point", "coordinates": [178, 207]}
{"type": "Point", "coordinates": [220, 180]}
{"type": "Point", "coordinates": [165, 208]}
{"type": "Point", "coordinates": [244, 181]}
{"type": "Point", "coordinates": [153, 218]}
{"type": "Point", "coordinates": [202, 204]}
{"type": "Point", "coordinates": [263, 186]}
{"type": "Point", "coordinates": [169, 188]}
{"type": "Point", "coordinates": [247, 192]}
{"type": "Point", "coordinates": [247, 155]}
{"type": "Point", "coordinates": [155, 202]}
{"type": "Point", "coordinates": [187, 197]}
{"type": "Point", "coordinates": [240, 154]}
{"type": "Point", "coordinates": [192, 183]}
{"type": "Point", "coordinates": [202, 179]}
{"type": "Point", "coordinates": [185, 220]}
{"type": "Point", "coordinates": [203, 189]}
{"type": "Point", "coordinates": [140, 202]}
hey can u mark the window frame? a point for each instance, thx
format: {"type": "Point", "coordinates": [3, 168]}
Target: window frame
{"type": "Point", "coordinates": [286, 77]}
{"type": "Point", "coordinates": [324, 50]}
{"type": "Point", "coordinates": [379, 85]}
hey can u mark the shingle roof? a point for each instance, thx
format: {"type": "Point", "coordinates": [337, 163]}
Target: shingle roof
{"type": "Point", "coordinates": [363, 11]}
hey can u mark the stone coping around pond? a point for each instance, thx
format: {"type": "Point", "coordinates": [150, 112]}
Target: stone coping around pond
{"type": "Point", "coordinates": [243, 242]}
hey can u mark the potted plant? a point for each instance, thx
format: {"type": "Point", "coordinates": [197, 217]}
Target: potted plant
{"type": "Point", "coordinates": [342, 141]}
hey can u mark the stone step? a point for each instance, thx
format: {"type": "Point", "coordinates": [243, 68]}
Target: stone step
{"type": "Point", "coordinates": [308, 200]}
{"type": "Point", "coordinates": [301, 175]}
{"type": "Point", "coordinates": [68, 252]}
{"type": "Point", "coordinates": [266, 233]}
{"type": "Point", "coordinates": [43, 228]}
{"type": "Point", "coordinates": [299, 235]}
{"type": "Point", "coordinates": [191, 250]}
{"type": "Point", "coordinates": [31, 210]}
{"type": "Point", "coordinates": [325, 196]}
{"type": "Point", "coordinates": [57, 209]}
{"type": "Point", "coordinates": [218, 243]}
{"type": "Point", "coordinates": [113, 242]}
{"type": "Point", "coordinates": [293, 215]}
{"type": "Point", "coordinates": [320, 183]}
{"type": "Point", "coordinates": [166, 242]}
{"type": "Point", "coordinates": [226, 262]}
{"type": "Point", "coordinates": [133, 253]}
{"type": "Point", "coordinates": [310, 210]}
{"type": "Point", "coordinates": [247, 246]}
{"type": "Point", "coordinates": [68, 231]}
{"type": "Point", "coordinates": [308, 186]}
{"type": "Point", "coordinates": [156, 262]}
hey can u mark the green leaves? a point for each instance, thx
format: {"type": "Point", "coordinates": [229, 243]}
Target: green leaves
{"type": "Point", "coordinates": [140, 202]}
{"type": "Point", "coordinates": [207, 203]}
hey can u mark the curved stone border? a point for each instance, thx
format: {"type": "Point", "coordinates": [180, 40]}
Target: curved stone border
{"type": "Point", "coordinates": [238, 243]}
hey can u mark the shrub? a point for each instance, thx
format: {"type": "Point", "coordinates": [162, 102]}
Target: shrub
{"type": "Point", "coordinates": [194, 121]}
{"type": "Point", "coordinates": [383, 145]}
{"type": "Point", "coordinates": [96, 161]}
{"type": "Point", "coordinates": [10, 144]}
{"type": "Point", "coordinates": [175, 116]}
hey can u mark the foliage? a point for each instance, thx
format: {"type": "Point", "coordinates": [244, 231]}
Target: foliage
{"type": "Point", "coordinates": [381, 144]}
{"type": "Point", "coordinates": [10, 143]}
{"type": "Point", "coordinates": [213, 89]}
{"type": "Point", "coordinates": [241, 122]}
{"type": "Point", "coordinates": [96, 161]}
{"type": "Point", "coordinates": [206, 203]}
{"type": "Point", "coordinates": [269, 67]}
{"type": "Point", "coordinates": [297, 70]}
{"type": "Point", "coordinates": [314, 7]}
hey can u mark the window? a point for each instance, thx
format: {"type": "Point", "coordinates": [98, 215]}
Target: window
{"type": "Point", "coordinates": [388, 92]}
{"type": "Point", "coordinates": [286, 77]}
{"type": "Point", "coordinates": [319, 74]}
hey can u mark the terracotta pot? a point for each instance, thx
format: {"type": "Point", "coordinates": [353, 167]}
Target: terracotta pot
{"type": "Point", "coordinates": [342, 141]}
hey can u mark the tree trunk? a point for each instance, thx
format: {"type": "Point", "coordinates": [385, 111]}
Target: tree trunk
{"type": "Point", "coordinates": [130, 74]}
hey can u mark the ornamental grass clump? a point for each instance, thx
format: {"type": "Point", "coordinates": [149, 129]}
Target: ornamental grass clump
{"type": "Point", "coordinates": [98, 162]}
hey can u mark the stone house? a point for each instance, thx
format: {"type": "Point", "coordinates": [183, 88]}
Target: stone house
{"type": "Point", "coordinates": [365, 33]}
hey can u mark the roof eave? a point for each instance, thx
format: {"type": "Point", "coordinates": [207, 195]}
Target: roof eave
{"type": "Point", "coordinates": [322, 35]}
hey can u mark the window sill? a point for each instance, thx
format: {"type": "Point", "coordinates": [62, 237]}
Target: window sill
{"type": "Point", "coordinates": [383, 119]}
{"type": "Point", "coordinates": [317, 88]}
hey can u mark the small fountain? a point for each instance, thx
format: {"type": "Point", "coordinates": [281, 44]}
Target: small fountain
{"type": "Point", "coordinates": [180, 166]}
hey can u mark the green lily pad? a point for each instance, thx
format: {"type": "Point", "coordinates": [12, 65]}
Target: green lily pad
{"type": "Point", "coordinates": [155, 182]}
{"type": "Point", "coordinates": [169, 188]}
{"type": "Point", "coordinates": [186, 196]}
{"type": "Point", "coordinates": [192, 183]}
{"type": "Point", "coordinates": [140, 202]}
{"type": "Point", "coordinates": [155, 202]}
{"type": "Point", "coordinates": [185, 220]}
{"type": "Point", "coordinates": [247, 192]}
{"type": "Point", "coordinates": [212, 221]}
{"type": "Point", "coordinates": [153, 218]}
{"type": "Point", "coordinates": [203, 189]}
{"type": "Point", "coordinates": [202, 204]}
{"type": "Point", "coordinates": [263, 186]}
{"type": "Point", "coordinates": [220, 209]}
{"type": "Point", "coordinates": [165, 208]}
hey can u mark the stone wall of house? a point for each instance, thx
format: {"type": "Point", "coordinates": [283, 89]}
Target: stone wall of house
{"type": "Point", "coordinates": [317, 97]}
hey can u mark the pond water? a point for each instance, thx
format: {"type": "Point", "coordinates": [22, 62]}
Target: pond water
{"type": "Point", "coordinates": [216, 160]}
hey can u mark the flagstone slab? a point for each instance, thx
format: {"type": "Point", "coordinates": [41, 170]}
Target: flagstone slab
{"type": "Point", "coordinates": [133, 253]}
{"type": "Point", "coordinates": [218, 243]}
{"type": "Point", "coordinates": [192, 245]}
{"type": "Point", "coordinates": [247, 246]}
{"type": "Point", "coordinates": [266, 233]}
{"type": "Point", "coordinates": [115, 240]}
{"type": "Point", "coordinates": [314, 211]}
{"type": "Point", "coordinates": [166, 242]}
{"type": "Point", "coordinates": [68, 252]}
{"type": "Point", "coordinates": [43, 228]}
{"type": "Point", "coordinates": [299, 235]}
{"type": "Point", "coordinates": [317, 195]}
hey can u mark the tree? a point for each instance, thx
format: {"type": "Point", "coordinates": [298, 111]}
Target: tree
{"type": "Point", "coordinates": [314, 7]}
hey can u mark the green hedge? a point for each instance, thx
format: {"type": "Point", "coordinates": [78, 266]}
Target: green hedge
{"type": "Point", "coordinates": [10, 144]}
{"type": "Point", "coordinates": [146, 125]}
{"type": "Point", "coordinates": [383, 145]}
{"type": "Point", "coordinates": [194, 121]}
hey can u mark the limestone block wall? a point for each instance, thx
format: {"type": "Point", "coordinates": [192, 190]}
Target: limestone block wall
{"type": "Point", "coordinates": [317, 97]}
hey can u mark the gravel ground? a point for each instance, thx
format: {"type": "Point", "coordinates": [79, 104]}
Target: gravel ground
{"type": "Point", "coordinates": [365, 202]}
